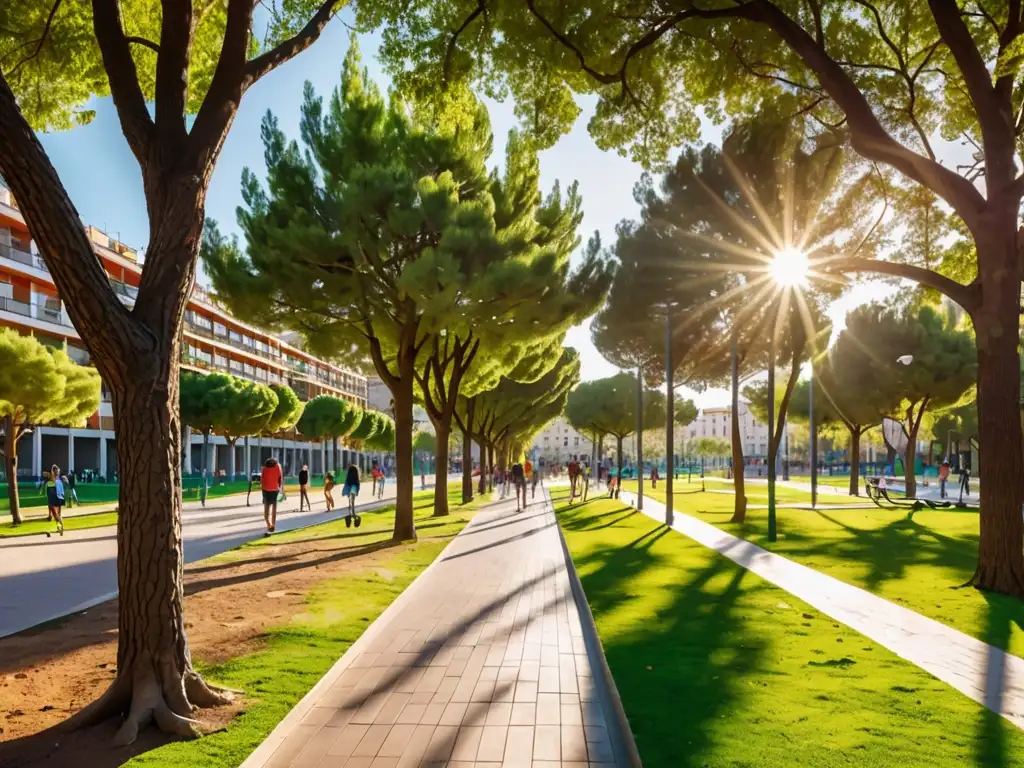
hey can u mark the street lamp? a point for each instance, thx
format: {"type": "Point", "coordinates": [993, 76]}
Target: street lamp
{"type": "Point", "coordinates": [666, 307]}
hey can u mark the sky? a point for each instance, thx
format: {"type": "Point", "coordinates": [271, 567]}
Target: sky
{"type": "Point", "coordinates": [103, 178]}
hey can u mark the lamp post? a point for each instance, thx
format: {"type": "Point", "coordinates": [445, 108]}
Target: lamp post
{"type": "Point", "coordinates": [639, 438]}
{"type": "Point", "coordinates": [670, 423]}
{"type": "Point", "coordinates": [814, 442]}
{"type": "Point", "coordinates": [771, 433]}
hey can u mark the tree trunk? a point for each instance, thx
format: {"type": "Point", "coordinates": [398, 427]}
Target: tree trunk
{"type": "Point", "coordinates": [402, 399]}
{"type": "Point", "coordinates": [441, 432]}
{"type": "Point", "coordinates": [490, 467]}
{"type": "Point", "coordinates": [618, 479]}
{"type": "Point", "coordinates": [467, 454]}
{"type": "Point", "coordinates": [739, 511]}
{"type": "Point", "coordinates": [206, 451]}
{"type": "Point", "coordinates": [855, 461]}
{"type": "Point", "coordinates": [1000, 552]}
{"type": "Point", "coordinates": [910, 456]}
{"type": "Point", "coordinates": [232, 461]}
{"type": "Point", "coordinates": [11, 468]}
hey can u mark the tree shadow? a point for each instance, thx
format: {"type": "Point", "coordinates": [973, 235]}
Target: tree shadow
{"type": "Point", "coordinates": [693, 658]}
{"type": "Point", "coordinates": [990, 744]}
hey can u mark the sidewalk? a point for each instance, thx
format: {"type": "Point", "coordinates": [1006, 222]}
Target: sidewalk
{"type": "Point", "coordinates": [482, 661]}
{"type": "Point", "coordinates": [989, 675]}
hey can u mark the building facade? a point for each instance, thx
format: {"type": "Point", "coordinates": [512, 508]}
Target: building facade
{"type": "Point", "coordinates": [212, 340]}
{"type": "Point", "coordinates": [717, 423]}
{"type": "Point", "coordinates": [559, 441]}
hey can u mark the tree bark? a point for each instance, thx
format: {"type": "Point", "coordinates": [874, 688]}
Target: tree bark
{"type": "Point", "coordinates": [467, 454]}
{"type": "Point", "coordinates": [618, 479]}
{"type": "Point", "coordinates": [232, 461]}
{"type": "Point", "coordinates": [854, 460]}
{"type": "Point", "coordinates": [441, 433]}
{"type": "Point", "coordinates": [482, 486]}
{"type": "Point", "coordinates": [739, 513]}
{"type": "Point", "coordinates": [490, 466]}
{"type": "Point", "coordinates": [910, 459]}
{"type": "Point", "coordinates": [11, 468]}
{"type": "Point", "coordinates": [1001, 545]}
{"type": "Point", "coordinates": [402, 398]}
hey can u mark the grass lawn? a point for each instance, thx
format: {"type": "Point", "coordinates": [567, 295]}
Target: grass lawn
{"type": "Point", "coordinates": [716, 667]}
{"type": "Point", "coordinates": [298, 654]}
{"type": "Point", "coordinates": [71, 523]}
{"type": "Point", "coordinates": [918, 560]}
{"type": "Point", "coordinates": [756, 493]}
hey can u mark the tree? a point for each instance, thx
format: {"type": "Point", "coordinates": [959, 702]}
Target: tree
{"type": "Point", "coordinates": [327, 416]}
{"type": "Point", "coordinates": [180, 62]}
{"type": "Point", "coordinates": [609, 406]}
{"type": "Point", "coordinates": [241, 409]}
{"type": "Point", "coordinates": [685, 411]}
{"type": "Point", "coordinates": [287, 412]}
{"type": "Point", "coordinates": [38, 385]}
{"type": "Point", "coordinates": [940, 375]}
{"type": "Point", "coordinates": [893, 74]}
{"type": "Point", "coordinates": [201, 401]}
{"type": "Point", "coordinates": [710, 446]}
{"type": "Point", "coordinates": [424, 442]}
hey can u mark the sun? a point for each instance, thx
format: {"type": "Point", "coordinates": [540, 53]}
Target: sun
{"type": "Point", "coordinates": [789, 267]}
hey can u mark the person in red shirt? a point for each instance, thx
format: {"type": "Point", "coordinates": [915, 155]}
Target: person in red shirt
{"type": "Point", "coordinates": [271, 480]}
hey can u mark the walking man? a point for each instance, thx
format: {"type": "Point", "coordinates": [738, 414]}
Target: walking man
{"type": "Point", "coordinates": [271, 480]}
{"type": "Point", "coordinates": [304, 488]}
{"type": "Point", "coordinates": [944, 470]}
{"type": "Point", "coordinates": [519, 480]}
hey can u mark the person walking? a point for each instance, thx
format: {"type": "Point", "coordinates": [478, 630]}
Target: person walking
{"type": "Point", "coordinates": [271, 481]}
{"type": "Point", "coordinates": [304, 488]}
{"type": "Point", "coordinates": [55, 498]}
{"type": "Point", "coordinates": [519, 481]}
{"type": "Point", "coordinates": [654, 478]}
{"type": "Point", "coordinates": [944, 470]}
{"type": "Point", "coordinates": [573, 468]}
{"type": "Point", "coordinates": [72, 493]}
{"type": "Point", "coordinates": [381, 479]}
{"type": "Point", "coordinates": [350, 491]}
{"type": "Point", "coordinates": [535, 478]}
{"type": "Point", "coordinates": [203, 487]}
{"type": "Point", "coordinates": [329, 491]}
{"type": "Point", "coordinates": [375, 474]}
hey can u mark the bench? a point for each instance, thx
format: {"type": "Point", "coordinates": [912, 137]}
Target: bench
{"type": "Point", "coordinates": [877, 494]}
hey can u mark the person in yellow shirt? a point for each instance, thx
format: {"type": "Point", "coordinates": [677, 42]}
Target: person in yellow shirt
{"type": "Point", "coordinates": [528, 469]}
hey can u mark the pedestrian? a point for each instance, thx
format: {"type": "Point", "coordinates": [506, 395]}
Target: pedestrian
{"type": "Point", "coordinates": [350, 491]}
{"type": "Point", "coordinates": [528, 469]}
{"type": "Point", "coordinates": [573, 468]}
{"type": "Point", "coordinates": [612, 482]}
{"type": "Point", "coordinates": [944, 470]}
{"type": "Point", "coordinates": [72, 483]}
{"type": "Point", "coordinates": [519, 481]}
{"type": "Point", "coordinates": [55, 498]}
{"type": "Point", "coordinates": [328, 491]}
{"type": "Point", "coordinates": [381, 479]}
{"type": "Point", "coordinates": [654, 478]}
{"type": "Point", "coordinates": [304, 488]}
{"type": "Point", "coordinates": [535, 479]}
{"type": "Point", "coordinates": [965, 481]}
{"type": "Point", "coordinates": [203, 487]}
{"type": "Point", "coordinates": [375, 473]}
{"type": "Point", "coordinates": [271, 481]}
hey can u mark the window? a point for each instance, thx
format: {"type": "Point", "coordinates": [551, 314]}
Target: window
{"type": "Point", "coordinates": [220, 329]}
{"type": "Point", "coordinates": [220, 360]}
{"type": "Point", "coordinates": [714, 431]}
{"type": "Point", "coordinates": [235, 336]}
{"type": "Point", "coordinates": [565, 442]}
{"type": "Point", "coordinates": [202, 322]}
{"type": "Point", "coordinates": [693, 433]}
{"type": "Point", "coordinates": [577, 443]}
{"type": "Point", "coordinates": [764, 448]}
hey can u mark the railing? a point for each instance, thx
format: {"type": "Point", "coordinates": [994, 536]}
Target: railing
{"type": "Point", "coordinates": [46, 314]}
{"type": "Point", "coordinates": [123, 289]}
{"type": "Point", "coordinates": [22, 257]}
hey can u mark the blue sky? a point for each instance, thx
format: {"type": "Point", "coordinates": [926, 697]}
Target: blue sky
{"type": "Point", "coordinates": [104, 181]}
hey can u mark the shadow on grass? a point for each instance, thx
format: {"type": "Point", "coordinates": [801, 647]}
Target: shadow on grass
{"type": "Point", "coordinates": [990, 745]}
{"type": "Point", "coordinates": [683, 667]}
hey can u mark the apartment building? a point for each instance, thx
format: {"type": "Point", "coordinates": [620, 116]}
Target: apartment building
{"type": "Point", "coordinates": [717, 422]}
{"type": "Point", "coordinates": [212, 341]}
{"type": "Point", "coordinates": [559, 441]}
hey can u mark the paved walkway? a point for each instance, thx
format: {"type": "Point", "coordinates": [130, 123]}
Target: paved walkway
{"type": "Point", "coordinates": [481, 662]}
{"type": "Point", "coordinates": [987, 674]}
{"type": "Point", "coordinates": [44, 578]}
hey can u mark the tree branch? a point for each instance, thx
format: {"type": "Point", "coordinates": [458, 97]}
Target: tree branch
{"type": "Point", "coordinates": [136, 123]}
{"type": "Point", "coordinates": [293, 46]}
{"type": "Point", "coordinates": [172, 64]}
{"type": "Point", "coordinates": [42, 39]}
{"type": "Point", "coordinates": [143, 41]}
{"type": "Point", "coordinates": [450, 49]}
{"type": "Point", "coordinates": [967, 296]}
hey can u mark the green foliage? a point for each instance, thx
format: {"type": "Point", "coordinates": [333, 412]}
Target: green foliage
{"type": "Point", "coordinates": [686, 411]}
{"type": "Point", "coordinates": [287, 411]}
{"type": "Point", "coordinates": [384, 438]}
{"type": "Point", "coordinates": [327, 416]}
{"type": "Point", "coordinates": [424, 442]}
{"type": "Point", "coordinates": [710, 446]}
{"type": "Point", "coordinates": [41, 385]}
{"type": "Point", "coordinates": [199, 398]}
{"type": "Point", "coordinates": [608, 406]}
{"type": "Point", "coordinates": [242, 408]}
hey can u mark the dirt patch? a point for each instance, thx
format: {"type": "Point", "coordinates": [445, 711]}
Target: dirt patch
{"type": "Point", "coordinates": [49, 673]}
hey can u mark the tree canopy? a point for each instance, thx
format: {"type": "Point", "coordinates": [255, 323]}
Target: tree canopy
{"type": "Point", "coordinates": [287, 411]}
{"type": "Point", "coordinates": [39, 385]}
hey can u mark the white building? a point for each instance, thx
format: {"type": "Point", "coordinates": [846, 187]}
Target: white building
{"type": "Point", "coordinates": [559, 441]}
{"type": "Point", "coordinates": [717, 423]}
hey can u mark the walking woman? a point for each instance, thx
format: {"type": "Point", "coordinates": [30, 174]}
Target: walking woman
{"type": "Point", "coordinates": [55, 498]}
{"type": "Point", "coordinates": [304, 488]}
{"type": "Point", "coordinates": [350, 491]}
{"type": "Point", "coordinates": [328, 488]}
{"type": "Point", "coordinates": [271, 480]}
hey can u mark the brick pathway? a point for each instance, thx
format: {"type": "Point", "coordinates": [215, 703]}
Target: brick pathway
{"type": "Point", "coordinates": [989, 675]}
{"type": "Point", "coordinates": [481, 662]}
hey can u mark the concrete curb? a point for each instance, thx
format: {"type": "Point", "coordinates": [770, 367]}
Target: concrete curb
{"type": "Point", "coordinates": [623, 743]}
{"type": "Point", "coordinates": [265, 751]}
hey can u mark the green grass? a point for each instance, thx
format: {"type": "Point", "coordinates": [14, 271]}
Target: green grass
{"type": "Point", "coordinates": [917, 560]}
{"type": "Point", "coordinates": [71, 523]}
{"type": "Point", "coordinates": [716, 667]}
{"type": "Point", "coordinates": [298, 654]}
{"type": "Point", "coordinates": [756, 493]}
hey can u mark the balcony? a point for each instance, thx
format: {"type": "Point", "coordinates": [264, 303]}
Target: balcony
{"type": "Point", "coordinates": [46, 314]}
{"type": "Point", "coordinates": [124, 290]}
{"type": "Point", "coordinates": [11, 253]}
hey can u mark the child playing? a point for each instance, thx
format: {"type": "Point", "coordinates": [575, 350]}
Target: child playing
{"type": "Point", "coordinates": [328, 487]}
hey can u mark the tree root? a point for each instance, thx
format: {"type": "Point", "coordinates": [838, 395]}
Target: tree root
{"type": "Point", "coordinates": [202, 694]}
{"type": "Point", "coordinates": [149, 703]}
{"type": "Point", "coordinates": [113, 702]}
